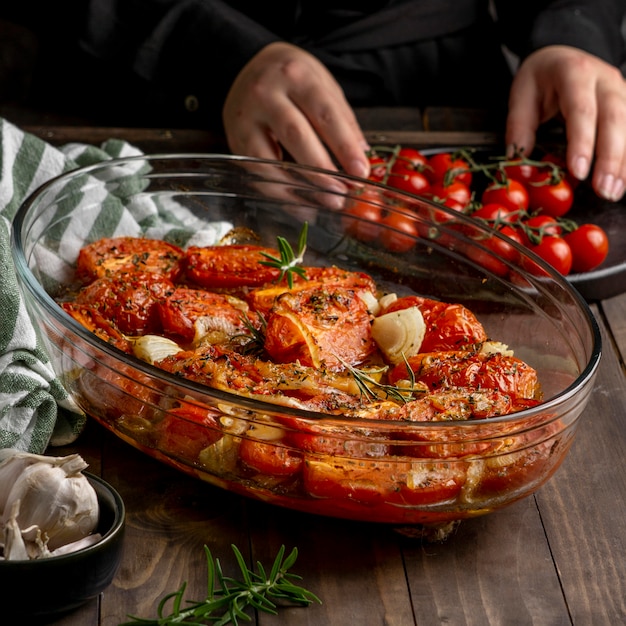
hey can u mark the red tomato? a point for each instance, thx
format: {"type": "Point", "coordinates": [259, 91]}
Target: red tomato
{"type": "Point", "coordinates": [590, 246]}
{"type": "Point", "coordinates": [410, 181]}
{"type": "Point", "coordinates": [495, 214]}
{"type": "Point", "coordinates": [408, 160]}
{"type": "Point", "coordinates": [374, 482]}
{"type": "Point", "coordinates": [102, 327]}
{"type": "Point", "coordinates": [401, 229]}
{"type": "Point", "coordinates": [534, 228]}
{"type": "Point", "coordinates": [230, 266]}
{"type": "Point", "coordinates": [511, 194]}
{"type": "Point", "coordinates": [270, 458]}
{"type": "Point", "coordinates": [378, 168]}
{"type": "Point", "coordinates": [446, 167]}
{"type": "Point", "coordinates": [520, 170]}
{"type": "Point", "coordinates": [362, 216]}
{"type": "Point", "coordinates": [497, 249]}
{"type": "Point", "coordinates": [187, 430]}
{"type": "Point", "coordinates": [129, 300]}
{"type": "Point", "coordinates": [456, 190]}
{"type": "Point", "coordinates": [186, 309]}
{"type": "Point", "coordinates": [448, 326]}
{"type": "Point", "coordinates": [128, 254]}
{"type": "Point", "coordinates": [550, 194]}
{"type": "Point", "coordinates": [556, 252]}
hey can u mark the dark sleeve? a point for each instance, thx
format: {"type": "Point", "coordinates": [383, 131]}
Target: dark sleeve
{"type": "Point", "coordinates": [190, 46]}
{"type": "Point", "coordinates": [591, 25]}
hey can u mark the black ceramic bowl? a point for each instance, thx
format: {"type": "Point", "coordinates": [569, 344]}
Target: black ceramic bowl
{"type": "Point", "coordinates": [33, 591]}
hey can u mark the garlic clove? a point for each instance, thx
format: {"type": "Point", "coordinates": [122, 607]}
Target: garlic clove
{"type": "Point", "coordinates": [399, 334]}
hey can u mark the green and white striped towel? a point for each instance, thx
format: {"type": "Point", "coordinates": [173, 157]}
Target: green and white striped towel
{"type": "Point", "coordinates": [35, 411]}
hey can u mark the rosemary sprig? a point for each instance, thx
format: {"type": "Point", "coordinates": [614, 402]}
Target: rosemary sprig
{"type": "Point", "coordinates": [289, 262]}
{"type": "Point", "coordinates": [372, 388]}
{"type": "Point", "coordinates": [228, 598]}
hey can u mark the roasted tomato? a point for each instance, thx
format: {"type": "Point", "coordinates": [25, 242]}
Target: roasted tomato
{"type": "Point", "coordinates": [269, 458]}
{"type": "Point", "coordinates": [129, 300]}
{"type": "Point", "coordinates": [262, 299]}
{"type": "Point", "coordinates": [126, 255]}
{"type": "Point", "coordinates": [187, 429]}
{"type": "Point", "coordinates": [101, 326]}
{"type": "Point", "coordinates": [470, 370]}
{"type": "Point", "coordinates": [191, 314]}
{"type": "Point", "coordinates": [325, 328]}
{"type": "Point", "coordinates": [448, 326]}
{"type": "Point", "coordinates": [230, 266]}
{"type": "Point", "coordinates": [374, 482]}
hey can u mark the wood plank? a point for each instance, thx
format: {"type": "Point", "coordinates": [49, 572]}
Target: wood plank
{"type": "Point", "coordinates": [150, 140]}
{"type": "Point", "coordinates": [495, 569]}
{"type": "Point", "coordinates": [583, 507]}
{"type": "Point", "coordinates": [614, 310]}
{"type": "Point", "coordinates": [355, 568]}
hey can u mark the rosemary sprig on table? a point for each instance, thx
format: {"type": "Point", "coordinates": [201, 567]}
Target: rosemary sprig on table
{"type": "Point", "coordinates": [289, 261]}
{"type": "Point", "coordinates": [228, 598]}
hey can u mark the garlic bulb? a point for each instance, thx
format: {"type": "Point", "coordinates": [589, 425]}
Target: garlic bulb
{"type": "Point", "coordinates": [45, 503]}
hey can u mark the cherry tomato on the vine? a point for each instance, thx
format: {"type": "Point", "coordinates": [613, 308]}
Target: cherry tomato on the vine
{"type": "Point", "coordinates": [534, 228]}
{"type": "Point", "coordinates": [550, 194]}
{"type": "Point", "coordinates": [590, 247]}
{"type": "Point", "coordinates": [411, 181]}
{"type": "Point", "coordinates": [378, 168]}
{"type": "Point", "coordinates": [520, 170]}
{"type": "Point", "coordinates": [408, 159]}
{"type": "Point", "coordinates": [510, 193]}
{"type": "Point", "coordinates": [446, 167]}
{"type": "Point", "coordinates": [556, 252]}
{"type": "Point", "coordinates": [496, 214]}
{"type": "Point", "coordinates": [403, 220]}
{"type": "Point", "coordinates": [362, 217]}
{"type": "Point", "coordinates": [456, 190]}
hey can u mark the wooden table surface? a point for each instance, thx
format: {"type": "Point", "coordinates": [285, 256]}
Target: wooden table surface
{"type": "Point", "coordinates": [557, 557]}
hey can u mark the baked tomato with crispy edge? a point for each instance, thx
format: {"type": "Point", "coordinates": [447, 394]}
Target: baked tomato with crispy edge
{"type": "Point", "coordinates": [325, 328]}
{"type": "Point", "coordinates": [214, 267]}
{"type": "Point", "coordinates": [89, 317]}
{"type": "Point", "coordinates": [189, 313]}
{"type": "Point", "coordinates": [448, 326]}
{"type": "Point", "coordinates": [262, 299]}
{"type": "Point", "coordinates": [115, 255]}
{"type": "Point", "coordinates": [470, 370]}
{"type": "Point", "coordinates": [128, 300]}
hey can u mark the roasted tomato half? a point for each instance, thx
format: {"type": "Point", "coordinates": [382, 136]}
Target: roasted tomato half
{"type": "Point", "coordinates": [128, 254]}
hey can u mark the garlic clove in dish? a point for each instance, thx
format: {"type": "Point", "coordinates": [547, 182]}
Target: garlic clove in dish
{"type": "Point", "coordinates": [49, 503]}
{"type": "Point", "coordinates": [399, 334]}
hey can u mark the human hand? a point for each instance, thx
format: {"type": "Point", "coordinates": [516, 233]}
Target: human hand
{"type": "Point", "coordinates": [590, 95]}
{"type": "Point", "coordinates": [284, 98]}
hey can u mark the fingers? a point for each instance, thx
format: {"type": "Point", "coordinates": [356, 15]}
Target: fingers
{"type": "Point", "coordinates": [609, 172]}
{"type": "Point", "coordinates": [285, 98]}
{"type": "Point", "coordinates": [590, 95]}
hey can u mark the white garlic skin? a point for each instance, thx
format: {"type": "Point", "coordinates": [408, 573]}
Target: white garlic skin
{"type": "Point", "coordinates": [55, 497]}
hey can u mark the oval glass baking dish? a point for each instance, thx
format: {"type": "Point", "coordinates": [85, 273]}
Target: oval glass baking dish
{"type": "Point", "coordinates": [392, 471]}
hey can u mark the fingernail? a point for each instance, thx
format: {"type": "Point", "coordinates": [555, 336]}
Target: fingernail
{"type": "Point", "coordinates": [611, 188]}
{"type": "Point", "coordinates": [581, 168]}
{"type": "Point", "coordinates": [359, 168]}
